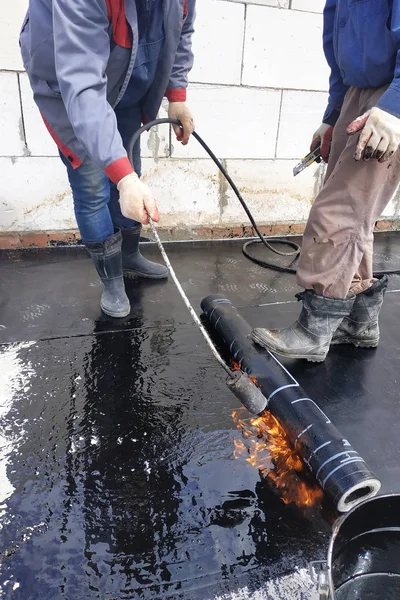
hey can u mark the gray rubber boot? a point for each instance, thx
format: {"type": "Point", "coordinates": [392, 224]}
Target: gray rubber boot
{"type": "Point", "coordinates": [310, 336]}
{"type": "Point", "coordinates": [107, 259]}
{"type": "Point", "coordinates": [361, 327]}
{"type": "Point", "coordinates": [133, 262]}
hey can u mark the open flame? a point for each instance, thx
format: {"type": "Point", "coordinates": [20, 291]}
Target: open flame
{"type": "Point", "coordinates": [235, 366]}
{"type": "Point", "coordinates": [267, 448]}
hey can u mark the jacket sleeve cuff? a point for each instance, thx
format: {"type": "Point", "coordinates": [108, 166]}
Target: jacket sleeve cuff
{"type": "Point", "coordinates": [176, 95]}
{"type": "Point", "coordinates": [390, 101]}
{"type": "Point", "coordinates": [118, 169]}
{"type": "Point", "coordinates": [331, 115]}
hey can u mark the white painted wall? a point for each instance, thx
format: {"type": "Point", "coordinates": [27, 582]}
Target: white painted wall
{"type": "Point", "coordinates": [258, 92]}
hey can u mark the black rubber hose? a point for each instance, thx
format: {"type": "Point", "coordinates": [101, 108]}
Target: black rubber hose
{"type": "Point", "coordinates": [268, 242]}
{"type": "Point", "coordinates": [264, 240]}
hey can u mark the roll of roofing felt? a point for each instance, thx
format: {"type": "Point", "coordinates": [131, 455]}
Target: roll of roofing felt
{"type": "Point", "coordinates": [339, 469]}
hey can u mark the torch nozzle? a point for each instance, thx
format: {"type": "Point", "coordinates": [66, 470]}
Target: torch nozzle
{"type": "Point", "coordinates": [247, 392]}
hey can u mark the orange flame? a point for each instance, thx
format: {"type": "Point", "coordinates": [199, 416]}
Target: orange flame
{"type": "Point", "coordinates": [268, 449]}
{"type": "Point", "coordinates": [235, 366]}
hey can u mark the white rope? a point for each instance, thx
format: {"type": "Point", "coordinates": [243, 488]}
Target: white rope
{"type": "Point", "coordinates": [186, 301]}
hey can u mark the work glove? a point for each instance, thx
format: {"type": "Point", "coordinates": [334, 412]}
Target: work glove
{"type": "Point", "coordinates": [380, 135]}
{"type": "Point", "coordinates": [136, 200]}
{"type": "Point", "coordinates": [181, 112]}
{"type": "Point", "coordinates": [323, 136]}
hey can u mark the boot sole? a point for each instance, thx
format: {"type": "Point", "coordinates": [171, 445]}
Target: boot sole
{"type": "Point", "coordinates": [135, 274]}
{"type": "Point", "coordinates": [314, 358]}
{"type": "Point", "coordinates": [311, 358]}
{"type": "Point", "coordinates": [356, 343]}
{"type": "Point", "coordinates": [118, 315]}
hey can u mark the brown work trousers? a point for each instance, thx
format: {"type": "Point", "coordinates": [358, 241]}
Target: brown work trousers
{"type": "Point", "coordinates": [336, 255]}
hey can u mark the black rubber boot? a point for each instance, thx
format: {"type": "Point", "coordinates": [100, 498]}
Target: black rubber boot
{"type": "Point", "coordinates": [361, 327]}
{"type": "Point", "coordinates": [310, 336]}
{"type": "Point", "coordinates": [133, 262]}
{"type": "Point", "coordinates": [107, 258]}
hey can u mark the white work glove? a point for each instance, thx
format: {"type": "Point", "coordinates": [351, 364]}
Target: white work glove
{"type": "Point", "coordinates": [323, 136]}
{"type": "Point", "coordinates": [380, 135]}
{"type": "Point", "coordinates": [180, 111]}
{"type": "Point", "coordinates": [136, 200]}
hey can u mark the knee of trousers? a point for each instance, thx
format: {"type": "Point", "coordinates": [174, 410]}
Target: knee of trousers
{"type": "Point", "coordinates": [336, 228]}
{"type": "Point", "coordinates": [92, 199]}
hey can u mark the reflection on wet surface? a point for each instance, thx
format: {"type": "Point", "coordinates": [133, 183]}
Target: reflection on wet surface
{"type": "Point", "coordinates": [117, 471]}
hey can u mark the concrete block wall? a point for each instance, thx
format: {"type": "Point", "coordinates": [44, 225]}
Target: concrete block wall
{"type": "Point", "coordinates": [258, 90]}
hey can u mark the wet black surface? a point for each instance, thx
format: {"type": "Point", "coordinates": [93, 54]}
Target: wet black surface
{"type": "Point", "coordinates": [117, 438]}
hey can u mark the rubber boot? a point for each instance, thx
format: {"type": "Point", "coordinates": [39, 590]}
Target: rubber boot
{"type": "Point", "coordinates": [361, 327]}
{"type": "Point", "coordinates": [133, 262]}
{"type": "Point", "coordinates": [107, 258]}
{"type": "Point", "coordinates": [310, 336]}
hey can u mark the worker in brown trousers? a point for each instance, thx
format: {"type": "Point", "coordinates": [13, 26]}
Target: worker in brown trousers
{"type": "Point", "coordinates": [360, 135]}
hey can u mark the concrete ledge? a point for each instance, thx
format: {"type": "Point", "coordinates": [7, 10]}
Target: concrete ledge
{"type": "Point", "coordinates": [49, 239]}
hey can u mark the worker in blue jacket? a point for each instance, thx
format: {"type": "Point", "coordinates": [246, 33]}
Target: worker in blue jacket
{"type": "Point", "coordinates": [359, 138]}
{"type": "Point", "coordinates": [98, 70]}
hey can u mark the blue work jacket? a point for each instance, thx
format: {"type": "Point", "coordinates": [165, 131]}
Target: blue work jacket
{"type": "Point", "coordinates": [361, 44]}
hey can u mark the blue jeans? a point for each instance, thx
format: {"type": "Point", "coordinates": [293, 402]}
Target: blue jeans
{"type": "Point", "coordinates": [96, 198]}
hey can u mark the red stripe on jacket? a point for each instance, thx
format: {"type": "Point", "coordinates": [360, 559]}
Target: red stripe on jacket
{"type": "Point", "coordinates": [69, 155]}
{"type": "Point", "coordinates": [176, 95]}
{"type": "Point", "coordinates": [115, 171]}
{"type": "Point", "coordinates": [119, 169]}
{"type": "Point", "coordinates": [120, 27]}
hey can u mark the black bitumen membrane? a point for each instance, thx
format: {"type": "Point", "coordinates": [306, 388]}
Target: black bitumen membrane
{"type": "Point", "coordinates": [117, 475]}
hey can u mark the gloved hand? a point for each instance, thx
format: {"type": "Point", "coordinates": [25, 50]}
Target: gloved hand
{"type": "Point", "coordinates": [380, 136]}
{"type": "Point", "coordinates": [323, 136]}
{"type": "Point", "coordinates": [180, 111]}
{"type": "Point", "coordinates": [136, 200]}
